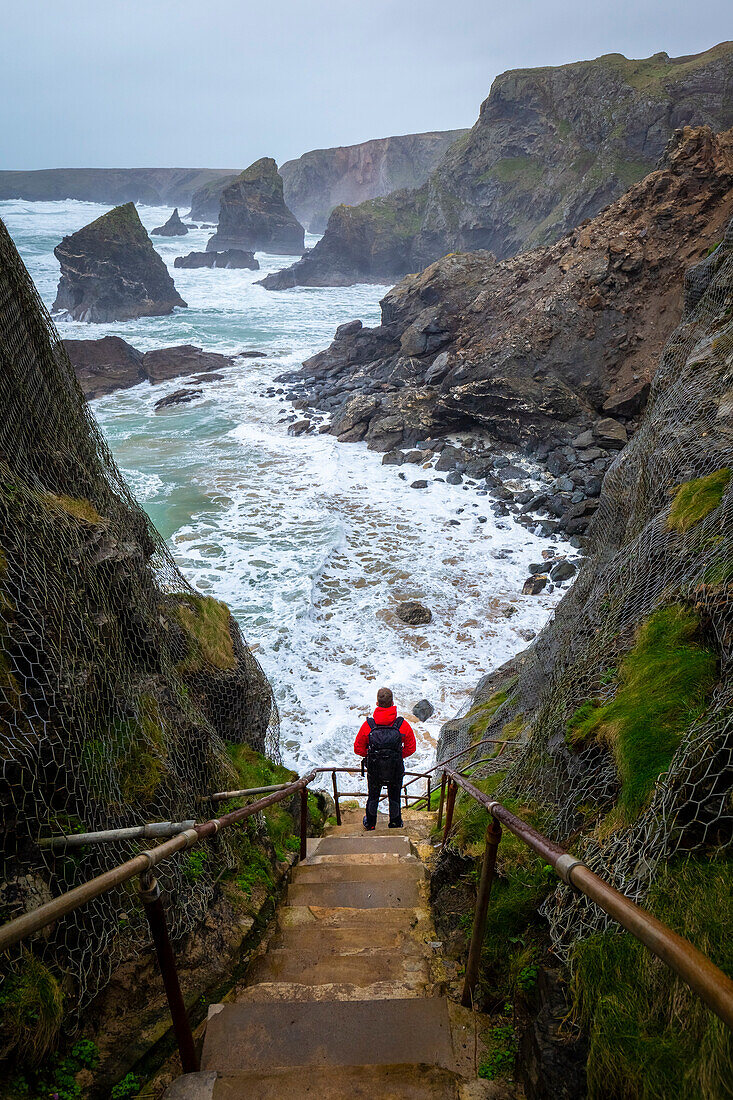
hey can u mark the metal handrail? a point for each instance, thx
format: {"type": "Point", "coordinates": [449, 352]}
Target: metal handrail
{"type": "Point", "coordinates": [141, 867]}
{"type": "Point", "coordinates": [710, 983]}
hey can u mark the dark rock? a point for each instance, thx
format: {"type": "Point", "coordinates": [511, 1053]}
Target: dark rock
{"type": "Point", "coordinates": [393, 458]}
{"type": "Point", "coordinates": [174, 227]}
{"type": "Point", "coordinates": [300, 427]}
{"type": "Point", "coordinates": [420, 484]}
{"type": "Point", "coordinates": [164, 363]}
{"type": "Point", "coordinates": [585, 439]}
{"type": "Point", "coordinates": [178, 397]}
{"type": "Point", "coordinates": [415, 457]}
{"type": "Point", "coordinates": [563, 571]}
{"type": "Point", "coordinates": [538, 567]}
{"type": "Point", "coordinates": [552, 1055]}
{"type": "Point", "coordinates": [414, 613]}
{"type": "Point", "coordinates": [235, 258]}
{"type": "Point", "coordinates": [534, 585]}
{"type": "Point", "coordinates": [449, 459]}
{"type": "Point", "coordinates": [609, 433]}
{"type": "Point", "coordinates": [423, 710]}
{"type": "Point", "coordinates": [111, 272]}
{"type": "Point", "coordinates": [453, 478]}
{"type": "Point", "coordinates": [253, 214]}
{"type": "Point", "coordinates": [629, 401]}
{"type": "Point", "coordinates": [105, 365]}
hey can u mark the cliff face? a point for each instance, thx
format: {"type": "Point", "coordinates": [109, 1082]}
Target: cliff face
{"type": "Point", "coordinates": [535, 349]}
{"type": "Point", "coordinates": [325, 178]}
{"type": "Point", "coordinates": [253, 214]}
{"type": "Point", "coordinates": [119, 684]}
{"type": "Point", "coordinates": [550, 148]}
{"type": "Point", "coordinates": [157, 186]}
{"type": "Point", "coordinates": [111, 272]}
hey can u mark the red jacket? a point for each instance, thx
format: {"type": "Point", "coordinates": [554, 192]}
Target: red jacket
{"type": "Point", "coordinates": [386, 716]}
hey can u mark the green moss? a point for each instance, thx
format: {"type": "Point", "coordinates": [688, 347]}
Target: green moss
{"type": "Point", "coordinates": [630, 172]}
{"type": "Point", "coordinates": [31, 1009]}
{"type": "Point", "coordinates": [523, 171]}
{"type": "Point", "coordinates": [651, 75]}
{"type": "Point", "coordinates": [663, 683]}
{"type": "Point", "coordinates": [134, 750]}
{"type": "Point", "coordinates": [194, 864]}
{"type": "Point", "coordinates": [80, 509]}
{"type": "Point", "coordinates": [696, 499]}
{"type": "Point", "coordinates": [206, 623]}
{"type": "Point", "coordinates": [650, 1036]}
{"type": "Point", "coordinates": [481, 713]}
{"type": "Point", "coordinates": [512, 730]}
{"type": "Point", "coordinates": [719, 575]}
{"type": "Point", "coordinates": [713, 248]}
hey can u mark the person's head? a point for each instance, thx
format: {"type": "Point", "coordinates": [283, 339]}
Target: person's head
{"type": "Point", "coordinates": [385, 698]}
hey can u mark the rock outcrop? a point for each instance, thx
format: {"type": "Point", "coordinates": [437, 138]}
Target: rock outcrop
{"type": "Point", "coordinates": [551, 147]}
{"type": "Point", "coordinates": [109, 364]}
{"type": "Point", "coordinates": [556, 346]}
{"type": "Point", "coordinates": [322, 179]}
{"type": "Point", "coordinates": [233, 257]}
{"type": "Point", "coordinates": [111, 186]}
{"type": "Point", "coordinates": [174, 227]}
{"type": "Point", "coordinates": [253, 215]}
{"type": "Point", "coordinates": [206, 200]}
{"type": "Point", "coordinates": [111, 272]}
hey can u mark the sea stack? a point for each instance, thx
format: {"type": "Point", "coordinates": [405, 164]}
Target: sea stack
{"type": "Point", "coordinates": [174, 227]}
{"type": "Point", "coordinates": [253, 215]}
{"type": "Point", "coordinates": [233, 258]}
{"type": "Point", "coordinates": [111, 272]}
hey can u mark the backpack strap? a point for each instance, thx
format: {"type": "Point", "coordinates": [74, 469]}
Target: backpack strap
{"type": "Point", "coordinates": [398, 723]}
{"type": "Point", "coordinates": [371, 723]}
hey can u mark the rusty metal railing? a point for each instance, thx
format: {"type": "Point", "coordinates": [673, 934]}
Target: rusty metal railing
{"type": "Point", "coordinates": [710, 983]}
{"type": "Point", "coordinates": [141, 867]}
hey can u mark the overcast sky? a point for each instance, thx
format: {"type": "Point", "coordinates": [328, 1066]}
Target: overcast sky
{"type": "Point", "coordinates": [219, 83]}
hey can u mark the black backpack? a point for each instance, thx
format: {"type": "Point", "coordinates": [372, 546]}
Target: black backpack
{"type": "Point", "coordinates": [384, 755]}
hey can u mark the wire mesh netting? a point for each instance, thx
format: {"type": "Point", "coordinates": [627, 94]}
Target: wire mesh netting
{"type": "Point", "coordinates": [656, 587]}
{"type": "Point", "coordinates": [119, 684]}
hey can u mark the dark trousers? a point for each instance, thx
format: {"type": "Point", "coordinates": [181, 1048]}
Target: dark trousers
{"type": "Point", "coordinates": [394, 790]}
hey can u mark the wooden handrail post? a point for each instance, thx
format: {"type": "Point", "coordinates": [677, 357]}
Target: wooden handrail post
{"type": "Point", "coordinates": [493, 836]}
{"type": "Point", "coordinates": [442, 799]}
{"type": "Point", "coordinates": [336, 798]}
{"type": "Point", "coordinates": [149, 892]}
{"type": "Point", "coordinates": [449, 805]}
{"type": "Point", "coordinates": [428, 807]}
{"type": "Point", "coordinates": [303, 822]}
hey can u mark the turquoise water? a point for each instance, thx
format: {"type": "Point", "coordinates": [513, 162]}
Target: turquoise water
{"type": "Point", "coordinates": [312, 543]}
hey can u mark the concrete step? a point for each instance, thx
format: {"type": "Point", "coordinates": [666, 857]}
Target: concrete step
{"type": "Point", "coordinates": [270, 1035]}
{"type": "Point", "coordinates": [361, 969]}
{"type": "Point", "coordinates": [353, 894]}
{"type": "Point", "coordinates": [337, 844]}
{"type": "Point", "coordinates": [374, 859]}
{"type": "Point", "coordinates": [316, 940]}
{"type": "Point", "coordinates": [414, 921]}
{"type": "Point", "coordinates": [395, 1082]}
{"type": "Point", "coordinates": [409, 871]}
{"type": "Point", "coordinates": [337, 991]}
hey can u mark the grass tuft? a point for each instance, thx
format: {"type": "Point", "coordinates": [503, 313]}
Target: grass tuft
{"type": "Point", "coordinates": [80, 509]}
{"type": "Point", "coordinates": [206, 622]}
{"type": "Point", "coordinates": [663, 683]}
{"type": "Point", "coordinates": [31, 1009]}
{"type": "Point", "coordinates": [696, 499]}
{"type": "Point", "coordinates": [650, 1036]}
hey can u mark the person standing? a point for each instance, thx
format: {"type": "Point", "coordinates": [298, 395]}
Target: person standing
{"type": "Point", "coordinates": [385, 741]}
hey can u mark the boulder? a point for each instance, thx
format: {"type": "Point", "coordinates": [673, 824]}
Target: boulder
{"type": "Point", "coordinates": [563, 571]}
{"type": "Point", "coordinates": [111, 272]}
{"type": "Point", "coordinates": [178, 397]}
{"type": "Point", "coordinates": [300, 427]}
{"type": "Point", "coordinates": [414, 613]}
{"type": "Point", "coordinates": [174, 227]}
{"type": "Point", "coordinates": [231, 258]}
{"type": "Point", "coordinates": [421, 483]}
{"type": "Point", "coordinates": [393, 458]}
{"type": "Point", "coordinates": [423, 709]}
{"type": "Point", "coordinates": [105, 365]}
{"type": "Point", "coordinates": [253, 214]}
{"type": "Point", "coordinates": [534, 585]}
{"type": "Point", "coordinates": [165, 363]}
{"type": "Point", "coordinates": [610, 433]}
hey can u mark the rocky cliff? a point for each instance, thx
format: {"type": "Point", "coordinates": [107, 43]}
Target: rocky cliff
{"type": "Point", "coordinates": [120, 685]}
{"type": "Point", "coordinates": [174, 227]}
{"type": "Point", "coordinates": [618, 719]}
{"type": "Point", "coordinates": [551, 147]}
{"type": "Point", "coordinates": [253, 215]}
{"type": "Point", "coordinates": [112, 186]}
{"type": "Point", "coordinates": [325, 178]}
{"type": "Point", "coordinates": [536, 350]}
{"type": "Point", "coordinates": [111, 272]}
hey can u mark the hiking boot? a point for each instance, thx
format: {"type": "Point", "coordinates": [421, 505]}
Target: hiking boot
{"type": "Point", "coordinates": [369, 828]}
{"type": "Point", "coordinates": [396, 824]}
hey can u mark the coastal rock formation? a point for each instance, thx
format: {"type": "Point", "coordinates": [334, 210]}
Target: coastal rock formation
{"type": "Point", "coordinates": [233, 257]}
{"type": "Point", "coordinates": [253, 214]}
{"type": "Point", "coordinates": [111, 186]}
{"type": "Point", "coordinates": [206, 200]}
{"type": "Point", "coordinates": [551, 147]}
{"type": "Point", "coordinates": [322, 179]}
{"type": "Point", "coordinates": [109, 364]}
{"type": "Point", "coordinates": [619, 722]}
{"type": "Point", "coordinates": [556, 346]}
{"type": "Point", "coordinates": [174, 227]}
{"type": "Point", "coordinates": [111, 272]}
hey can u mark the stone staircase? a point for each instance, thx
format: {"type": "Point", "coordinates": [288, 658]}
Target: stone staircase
{"type": "Point", "coordinates": [348, 998]}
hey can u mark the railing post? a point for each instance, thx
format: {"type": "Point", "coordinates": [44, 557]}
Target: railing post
{"type": "Point", "coordinates": [149, 892]}
{"type": "Point", "coordinates": [450, 803]}
{"type": "Point", "coordinates": [428, 807]}
{"type": "Point", "coordinates": [442, 799]}
{"type": "Point", "coordinates": [303, 822]}
{"type": "Point", "coordinates": [493, 836]}
{"type": "Point", "coordinates": [336, 798]}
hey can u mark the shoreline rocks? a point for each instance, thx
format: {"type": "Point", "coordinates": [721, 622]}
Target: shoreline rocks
{"type": "Point", "coordinates": [174, 227]}
{"type": "Point", "coordinates": [235, 258]}
{"type": "Point", "coordinates": [253, 215]}
{"type": "Point", "coordinates": [111, 272]}
{"type": "Point", "coordinates": [109, 364]}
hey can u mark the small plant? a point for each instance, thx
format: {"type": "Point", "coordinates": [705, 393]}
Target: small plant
{"type": "Point", "coordinates": [194, 865]}
{"type": "Point", "coordinates": [128, 1086]}
{"type": "Point", "coordinates": [527, 978]}
{"type": "Point", "coordinates": [499, 1062]}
